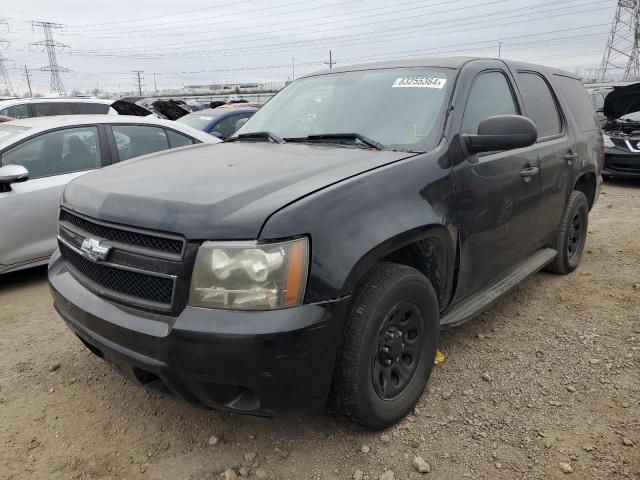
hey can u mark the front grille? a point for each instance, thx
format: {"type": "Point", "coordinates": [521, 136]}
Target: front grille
{"type": "Point", "coordinates": [169, 245]}
{"type": "Point", "coordinates": [147, 287]}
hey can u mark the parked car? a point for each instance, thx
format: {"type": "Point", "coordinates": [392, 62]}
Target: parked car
{"type": "Point", "coordinates": [39, 156]}
{"type": "Point", "coordinates": [221, 122]}
{"type": "Point", "coordinates": [621, 108]}
{"type": "Point", "coordinates": [44, 107]}
{"type": "Point", "coordinates": [357, 212]}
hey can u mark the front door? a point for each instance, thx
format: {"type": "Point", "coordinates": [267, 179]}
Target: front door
{"type": "Point", "coordinates": [28, 213]}
{"type": "Point", "coordinates": [497, 192]}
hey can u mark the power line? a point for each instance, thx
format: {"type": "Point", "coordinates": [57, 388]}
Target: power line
{"type": "Point", "coordinates": [385, 21]}
{"type": "Point", "coordinates": [435, 28]}
{"type": "Point", "coordinates": [52, 47]}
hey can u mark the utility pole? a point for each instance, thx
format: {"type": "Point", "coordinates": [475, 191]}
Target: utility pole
{"type": "Point", "coordinates": [28, 77]}
{"type": "Point", "coordinates": [621, 52]}
{"type": "Point", "coordinates": [331, 63]}
{"type": "Point", "coordinates": [52, 48]}
{"type": "Point", "coordinates": [293, 69]}
{"type": "Point", "coordinates": [139, 74]}
{"type": "Point", "coordinates": [155, 85]}
{"type": "Point", "coordinates": [499, 49]}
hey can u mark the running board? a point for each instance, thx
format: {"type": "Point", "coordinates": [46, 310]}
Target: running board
{"type": "Point", "coordinates": [480, 301]}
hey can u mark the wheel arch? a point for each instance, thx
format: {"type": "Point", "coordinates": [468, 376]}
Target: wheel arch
{"type": "Point", "coordinates": [587, 183]}
{"type": "Point", "coordinates": [429, 249]}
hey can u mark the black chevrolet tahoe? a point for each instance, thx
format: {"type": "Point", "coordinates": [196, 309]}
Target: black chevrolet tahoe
{"type": "Point", "coordinates": [313, 257]}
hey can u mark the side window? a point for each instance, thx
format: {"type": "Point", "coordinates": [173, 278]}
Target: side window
{"type": "Point", "coordinates": [490, 95]}
{"type": "Point", "coordinates": [56, 153]}
{"type": "Point", "coordinates": [16, 111]}
{"type": "Point", "coordinates": [227, 126]}
{"type": "Point", "coordinates": [539, 104]}
{"type": "Point", "coordinates": [136, 140]}
{"type": "Point", "coordinates": [178, 140]}
{"type": "Point", "coordinates": [53, 108]}
{"type": "Point", "coordinates": [91, 108]}
{"type": "Point", "coordinates": [579, 102]}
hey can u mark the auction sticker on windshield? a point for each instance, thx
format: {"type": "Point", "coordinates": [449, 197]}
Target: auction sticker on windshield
{"type": "Point", "coordinates": [420, 82]}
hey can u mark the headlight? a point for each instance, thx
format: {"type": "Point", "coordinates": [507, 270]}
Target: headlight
{"type": "Point", "coordinates": [250, 276]}
{"type": "Point", "coordinates": [607, 141]}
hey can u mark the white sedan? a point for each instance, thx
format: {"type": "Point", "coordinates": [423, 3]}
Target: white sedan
{"type": "Point", "coordinates": [39, 156]}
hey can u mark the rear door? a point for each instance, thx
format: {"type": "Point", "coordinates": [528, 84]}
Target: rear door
{"type": "Point", "coordinates": [556, 148]}
{"type": "Point", "coordinates": [28, 213]}
{"type": "Point", "coordinates": [498, 193]}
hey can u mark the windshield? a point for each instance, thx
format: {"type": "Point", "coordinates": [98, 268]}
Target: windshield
{"type": "Point", "coordinates": [399, 108]}
{"type": "Point", "coordinates": [8, 131]}
{"type": "Point", "coordinates": [199, 120]}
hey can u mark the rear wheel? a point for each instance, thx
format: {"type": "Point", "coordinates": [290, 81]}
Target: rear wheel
{"type": "Point", "coordinates": [571, 236]}
{"type": "Point", "coordinates": [389, 347]}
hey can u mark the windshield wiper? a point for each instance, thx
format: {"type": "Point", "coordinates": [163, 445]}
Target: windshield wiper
{"type": "Point", "coordinates": [257, 136]}
{"type": "Point", "coordinates": [338, 138]}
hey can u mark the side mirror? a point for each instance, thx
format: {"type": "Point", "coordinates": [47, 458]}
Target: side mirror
{"type": "Point", "coordinates": [217, 135]}
{"type": "Point", "coordinates": [502, 132]}
{"type": "Point", "coordinates": [12, 174]}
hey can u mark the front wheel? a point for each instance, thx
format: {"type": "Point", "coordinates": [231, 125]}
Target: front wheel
{"type": "Point", "coordinates": [571, 235]}
{"type": "Point", "coordinates": [389, 347]}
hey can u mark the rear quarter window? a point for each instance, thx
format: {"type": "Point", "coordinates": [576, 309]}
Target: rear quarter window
{"type": "Point", "coordinates": [579, 102]}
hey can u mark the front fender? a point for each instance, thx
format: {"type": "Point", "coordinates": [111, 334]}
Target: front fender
{"type": "Point", "coordinates": [357, 222]}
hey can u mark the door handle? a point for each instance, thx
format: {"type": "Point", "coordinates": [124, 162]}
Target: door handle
{"type": "Point", "coordinates": [528, 173]}
{"type": "Point", "coordinates": [570, 157]}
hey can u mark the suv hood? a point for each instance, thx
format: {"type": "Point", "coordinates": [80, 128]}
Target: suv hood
{"type": "Point", "coordinates": [622, 100]}
{"type": "Point", "coordinates": [224, 191]}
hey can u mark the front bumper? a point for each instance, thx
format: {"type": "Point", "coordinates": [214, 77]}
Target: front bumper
{"type": "Point", "coordinates": [259, 363]}
{"type": "Point", "coordinates": [620, 162]}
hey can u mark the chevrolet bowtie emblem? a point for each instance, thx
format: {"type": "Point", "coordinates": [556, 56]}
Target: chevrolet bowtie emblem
{"type": "Point", "coordinates": [93, 250]}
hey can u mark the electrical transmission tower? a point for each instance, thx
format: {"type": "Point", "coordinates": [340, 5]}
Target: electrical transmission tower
{"type": "Point", "coordinates": [52, 48]}
{"type": "Point", "coordinates": [621, 52]}
{"type": "Point", "coordinates": [5, 82]}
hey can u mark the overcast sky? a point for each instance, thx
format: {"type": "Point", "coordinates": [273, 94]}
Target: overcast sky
{"type": "Point", "coordinates": [213, 41]}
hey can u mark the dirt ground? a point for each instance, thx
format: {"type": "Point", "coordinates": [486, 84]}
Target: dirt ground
{"type": "Point", "coordinates": [547, 380]}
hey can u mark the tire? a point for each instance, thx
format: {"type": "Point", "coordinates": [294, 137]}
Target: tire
{"type": "Point", "coordinates": [394, 308]}
{"type": "Point", "coordinates": [571, 235]}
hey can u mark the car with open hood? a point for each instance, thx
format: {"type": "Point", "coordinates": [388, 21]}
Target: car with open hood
{"type": "Point", "coordinates": [356, 213]}
{"type": "Point", "coordinates": [621, 107]}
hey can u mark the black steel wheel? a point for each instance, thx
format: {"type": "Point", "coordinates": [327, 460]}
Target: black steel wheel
{"type": "Point", "coordinates": [389, 347]}
{"type": "Point", "coordinates": [399, 350]}
{"type": "Point", "coordinates": [571, 235]}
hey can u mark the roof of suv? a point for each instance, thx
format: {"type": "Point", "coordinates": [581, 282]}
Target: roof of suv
{"type": "Point", "coordinates": [438, 62]}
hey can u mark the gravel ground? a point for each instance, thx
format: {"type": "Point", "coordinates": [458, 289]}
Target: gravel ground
{"type": "Point", "coordinates": [546, 384]}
